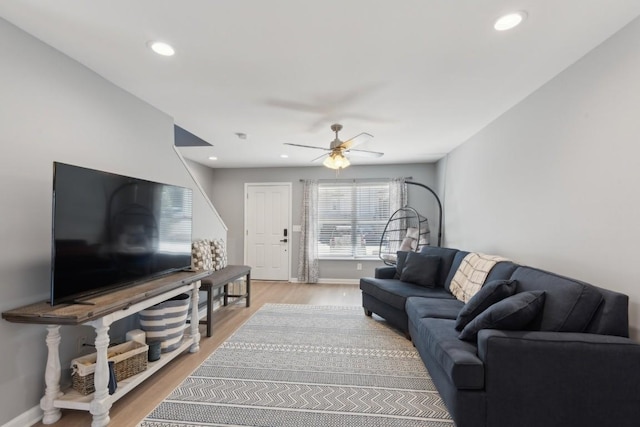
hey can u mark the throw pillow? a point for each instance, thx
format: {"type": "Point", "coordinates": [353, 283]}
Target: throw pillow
{"type": "Point", "coordinates": [400, 259]}
{"type": "Point", "coordinates": [408, 244]}
{"type": "Point", "coordinates": [413, 233]}
{"type": "Point", "coordinates": [512, 313]}
{"type": "Point", "coordinates": [218, 254]}
{"type": "Point", "coordinates": [488, 295]}
{"type": "Point", "coordinates": [420, 269]}
{"type": "Point", "coordinates": [201, 255]}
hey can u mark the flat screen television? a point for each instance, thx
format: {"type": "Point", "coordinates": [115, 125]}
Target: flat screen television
{"type": "Point", "coordinates": [112, 231]}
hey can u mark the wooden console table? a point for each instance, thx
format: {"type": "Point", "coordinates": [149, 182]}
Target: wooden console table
{"type": "Point", "coordinates": [221, 279]}
{"type": "Point", "coordinates": [100, 312]}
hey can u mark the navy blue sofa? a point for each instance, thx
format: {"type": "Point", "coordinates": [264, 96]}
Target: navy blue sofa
{"type": "Point", "coordinates": [574, 365]}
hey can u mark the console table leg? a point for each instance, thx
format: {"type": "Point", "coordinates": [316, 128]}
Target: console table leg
{"type": "Point", "coordinates": [99, 406]}
{"type": "Point", "coordinates": [195, 321]}
{"type": "Point", "coordinates": [52, 376]}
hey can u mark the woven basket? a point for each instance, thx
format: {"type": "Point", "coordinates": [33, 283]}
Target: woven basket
{"type": "Point", "coordinates": [130, 358]}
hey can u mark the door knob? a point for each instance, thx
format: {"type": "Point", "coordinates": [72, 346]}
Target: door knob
{"type": "Point", "coordinates": [284, 240]}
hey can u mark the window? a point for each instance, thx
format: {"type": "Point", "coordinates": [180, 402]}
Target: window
{"type": "Point", "coordinates": [176, 205]}
{"type": "Point", "coordinates": [351, 218]}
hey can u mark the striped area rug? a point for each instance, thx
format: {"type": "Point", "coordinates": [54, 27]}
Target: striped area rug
{"type": "Point", "coordinates": [302, 365]}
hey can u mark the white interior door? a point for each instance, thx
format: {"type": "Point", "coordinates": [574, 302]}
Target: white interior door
{"type": "Point", "coordinates": [267, 230]}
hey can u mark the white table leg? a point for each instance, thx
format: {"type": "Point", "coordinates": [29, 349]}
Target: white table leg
{"type": "Point", "coordinates": [52, 376]}
{"type": "Point", "coordinates": [195, 318]}
{"type": "Point", "coordinates": [100, 404]}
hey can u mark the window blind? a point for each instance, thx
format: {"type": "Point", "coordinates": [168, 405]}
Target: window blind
{"type": "Point", "coordinates": [175, 221]}
{"type": "Point", "coordinates": [351, 218]}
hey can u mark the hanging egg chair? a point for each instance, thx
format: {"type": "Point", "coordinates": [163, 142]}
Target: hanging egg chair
{"type": "Point", "coordinates": [406, 230]}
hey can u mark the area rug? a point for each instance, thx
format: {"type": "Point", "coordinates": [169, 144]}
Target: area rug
{"type": "Point", "coordinates": [303, 366]}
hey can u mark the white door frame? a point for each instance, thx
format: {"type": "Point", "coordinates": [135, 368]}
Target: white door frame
{"type": "Point", "coordinates": [246, 215]}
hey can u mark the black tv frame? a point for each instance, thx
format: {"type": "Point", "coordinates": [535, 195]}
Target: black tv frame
{"type": "Point", "coordinates": [138, 253]}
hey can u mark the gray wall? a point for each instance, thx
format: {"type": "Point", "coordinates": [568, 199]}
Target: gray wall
{"type": "Point", "coordinates": [52, 108]}
{"type": "Point", "coordinates": [553, 182]}
{"type": "Point", "coordinates": [204, 179]}
{"type": "Point", "coordinates": [228, 196]}
{"type": "Point", "coordinates": [202, 174]}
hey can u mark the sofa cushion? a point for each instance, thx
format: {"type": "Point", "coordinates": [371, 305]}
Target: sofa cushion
{"type": "Point", "coordinates": [395, 293]}
{"type": "Point", "coordinates": [457, 358]}
{"type": "Point", "coordinates": [420, 269]}
{"type": "Point", "coordinates": [455, 264]}
{"type": "Point", "coordinates": [612, 315]}
{"type": "Point", "coordinates": [570, 304]}
{"type": "Point", "coordinates": [502, 271]}
{"type": "Point", "coordinates": [418, 307]}
{"type": "Point", "coordinates": [446, 259]}
{"type": "Point", "coordinates": [401, 257]}
{"type": "Point", "coordinates": [512, 313]}
{"type": "Point", "coordinates": [489, 294]}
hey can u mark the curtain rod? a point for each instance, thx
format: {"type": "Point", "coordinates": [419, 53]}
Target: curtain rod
{"type": "Point", "coordinates": [357, 179]}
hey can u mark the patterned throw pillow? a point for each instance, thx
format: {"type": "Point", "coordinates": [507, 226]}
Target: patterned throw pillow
{"type": "Point", "coordinates": [201, 255]}
{"type": "Point", "coordinates": [218, 254]}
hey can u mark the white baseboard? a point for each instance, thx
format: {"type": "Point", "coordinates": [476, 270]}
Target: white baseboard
{"type": "Point", "coordinates": [332, 281]}
{"type": "Point", "coordinates": [29, 418]}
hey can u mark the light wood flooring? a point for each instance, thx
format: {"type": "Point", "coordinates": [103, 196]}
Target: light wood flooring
{"type": "Point", "coordinates": [133, 407]}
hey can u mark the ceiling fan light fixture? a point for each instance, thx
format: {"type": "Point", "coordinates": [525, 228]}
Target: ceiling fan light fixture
{"type": "Point", "coordinates": [335, 153]}
{"type": "Point", "coordinates": [336, 161]}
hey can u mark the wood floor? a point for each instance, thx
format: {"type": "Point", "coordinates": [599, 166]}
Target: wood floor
{"type": "Point", "coordinates": [133, 407]}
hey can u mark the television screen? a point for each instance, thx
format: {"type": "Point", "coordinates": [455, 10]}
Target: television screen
{"type": "Point", "coordinates": [111, 230]}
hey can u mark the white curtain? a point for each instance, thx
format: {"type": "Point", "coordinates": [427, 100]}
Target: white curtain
{"type": "Point", "coordinates": [397, 194]}
{"type": "Point", "coordinates": [397, 199]}
{"type": "Point", "coordinates": [308, 270]}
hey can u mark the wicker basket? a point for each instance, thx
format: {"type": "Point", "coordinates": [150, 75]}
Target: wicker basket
{"type": "Point", "coordinates": [130, 358]}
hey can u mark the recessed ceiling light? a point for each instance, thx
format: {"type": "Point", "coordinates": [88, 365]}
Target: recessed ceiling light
{"type": "Point", "coordinates": [213, 158]}
{"type": "Point", "coordinates": [162, 48]}
{"type": "Point", "coordinates": [284, 156]}
{"type": "Point", "coordinates": [509, 21]}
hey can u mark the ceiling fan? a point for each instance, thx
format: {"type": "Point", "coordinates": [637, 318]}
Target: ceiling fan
{"type": "Point", "coordinates": [337, 151]}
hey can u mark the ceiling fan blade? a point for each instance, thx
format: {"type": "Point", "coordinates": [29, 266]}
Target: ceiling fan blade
{"type": "Point", "coordinates": [320, 157]}
{"type": "Point", "coordinates": [307, 146]}
{"type": "Point", "coordinates": [356, 140]}
{"type": "Point", "coordinates": [295, 106]}
{"type": "Point", "coordinates": [364, 153]}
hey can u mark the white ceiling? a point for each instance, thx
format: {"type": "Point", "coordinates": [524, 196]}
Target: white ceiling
{"type": "Point", "coordinates": [422, 76]}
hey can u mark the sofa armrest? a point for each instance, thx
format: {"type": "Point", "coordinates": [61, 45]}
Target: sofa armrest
{"type": "Point", "coordinates": [387, 272]}
{"type": "Point", "coordinates": [560, 379]}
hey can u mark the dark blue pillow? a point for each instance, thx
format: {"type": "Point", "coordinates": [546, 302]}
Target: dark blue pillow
{"type": "Point", "coordinates": [489, 294]}
{"type": "Point", "coordinates": [420, 269]}
{"type": "Point", "coordinates": [512, 313]}
{"type": "Point", "coordinates": [401, 256]}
